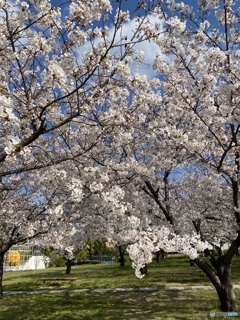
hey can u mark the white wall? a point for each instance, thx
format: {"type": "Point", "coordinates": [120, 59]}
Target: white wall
{"type": "Point", "coordinates": [34, 263]}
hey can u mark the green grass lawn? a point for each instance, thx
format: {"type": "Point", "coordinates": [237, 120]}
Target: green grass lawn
{"type": "Point", "coordinates": [163, 304]}
{"type": "Point", "coordinates": [111, 306]}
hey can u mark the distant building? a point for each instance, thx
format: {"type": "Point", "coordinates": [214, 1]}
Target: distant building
{"type": "Point", "coordinates": [24, 257]}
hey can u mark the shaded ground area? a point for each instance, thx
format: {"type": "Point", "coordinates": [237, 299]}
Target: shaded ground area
{"type": "Point", "coordinates": [156, 296]}
{"type": "Point", "coordinates": [103, 290]}
{"type": "Point", "coordinates": [133, 305]}
{"type": "Point", "coordinates": [109, 305]}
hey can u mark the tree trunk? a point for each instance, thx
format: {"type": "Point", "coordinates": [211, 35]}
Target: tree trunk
{"type": "Point", "coordinates": [221, 279]}
{"type": "Point", "coordinates": [1, 274]}
{"type": "Point", "coordinates": [225, 291]}
{"type": "Point", "coordinates": [144, 270]}
{"type": "Point", "coordinates": [69, 266]}
{"type": "Point", "coordinates": [160, 255]}
{"type": "Point", "coordinates": [191, 262]}
{"type": "Point", "coordinates": [121, 259]}
{"type": "Point", "coordinates": [227, 297]}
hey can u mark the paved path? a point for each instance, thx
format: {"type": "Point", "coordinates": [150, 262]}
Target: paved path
{"type": "Point", "coordinates": [150, 289]}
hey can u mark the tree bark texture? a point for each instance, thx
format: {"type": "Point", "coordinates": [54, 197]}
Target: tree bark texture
{"type": "Point", "coordinates": [1, 274]}
{"type": "Point", "coordinates": [121, 254]}
{"type": "Point", "coordinates": [220, 277]}
{"type": "Point", "coordinates": [160, 255]}
{"type": "Point", "coordinates": [225, 291]}
{"type": "Point", "coordinates": [69, 266]}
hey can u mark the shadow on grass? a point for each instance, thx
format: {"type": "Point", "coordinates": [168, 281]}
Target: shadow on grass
{"type": "Point", "coordinates": [109, 306]}
{"type": "Point", "coordinates": [110, 276]}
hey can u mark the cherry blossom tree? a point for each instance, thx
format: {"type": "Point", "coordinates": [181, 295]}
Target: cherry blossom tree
{"type": "Point", "coordinates": [201, 96]}
{"type": "Point", "coordinates": [65, 82]}
{"type": "Point", "coordinates": [77, 121]}
{"type": "Point", "coordinates": [194, 131]}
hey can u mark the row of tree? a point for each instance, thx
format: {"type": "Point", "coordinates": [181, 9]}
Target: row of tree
{"type": "Point", "coordinates": [87, 253]}
{"type": "Point", "coordinates": [94, 144]}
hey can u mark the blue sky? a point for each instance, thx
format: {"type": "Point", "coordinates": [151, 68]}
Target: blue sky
{"type": "Point", "coordinates": [129, 5]}
{"type": "Point", "coordinates": [149, 49]}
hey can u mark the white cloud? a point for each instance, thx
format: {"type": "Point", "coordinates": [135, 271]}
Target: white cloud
{"type": "Point", "coordinates": [149, 48]}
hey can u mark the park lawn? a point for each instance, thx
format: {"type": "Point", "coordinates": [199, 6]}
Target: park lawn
{"type": "Point", "coordinates": [102, 276]}
{"type": "Point", "coordinates": [170, 304]}
{"type": "Point", "coordinates": [163, 304]}
{"type": "Point", "coordinates": [112, 276]}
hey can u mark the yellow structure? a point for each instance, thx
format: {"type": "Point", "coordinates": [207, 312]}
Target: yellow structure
{"type": "Point", "coordinates": [14, 258]}
{"type": "Point", "coordinates": [24, 257]}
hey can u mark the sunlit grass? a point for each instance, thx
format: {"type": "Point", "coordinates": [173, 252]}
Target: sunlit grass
{"type": "Point", "coordinates": [162, 304]}
{"type": "Point", "coordinates": [111, 276]}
